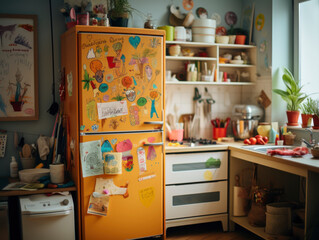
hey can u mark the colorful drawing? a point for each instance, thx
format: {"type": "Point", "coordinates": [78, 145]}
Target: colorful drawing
{"type": "Point", "coordinates": [82, 127]}
{"type": "Point", "coordinates": [134, 41]}
{"type": "Point", "coordinates": [113, 163]}
{"type": "Point", "coordinates": [91, 54]}
{"type": "Point", "coordinates": [103, 87]}
{"type": "Point", "coordinates": [141, 101]}
{"type": "Point", "coordinates": [112, 109]}
{"type": "Point", "coordinates": [141, 159]}
{"type": "Point", "coordinates": [106, 147]}
{"type": "Point", "coordinates": [95, 127]}
{"type": "Point", "coordinates": [148, 71]}
{"type": "Point", "coordinates": [127, 81]}
{"type": "Point", "coordinates": [98, 205]}
{"type": "Point", "coordinates": [151, 153]}
{"type": "Point", "coordinates": [154, 42]}
{"type": "Point", "coordinates": [106, 98]}
{"type": "Point", "coordinates": [154, 97]}
{"type": "Point", "coordinates": [98, 51]}
{"type": "Point", "coordinates": [260, 21]}
{"type": "Point", "coordinates": [91, 158]}
{"type": "Point", "coordinates": [139, 60]}
{"type": "Point", "coordinates": [130, 95]}
{"type": "Point", "coordinates": [127, 162]}
{"type": "Point", "coordinates": [96, 67]}
{"type": "Point", "coordinates": [109, 78]}
{"type": "Point", "coordinates": [114, 140]}
{"type": "Point", "coordinates": [124, 146]}
{"type": "Point", "coordinates": [106, 50]}
{"type": "Point", "coordinates": [114, 124]}
{"type": "Point", "coordinates": [21, 40]}
{"type": "Point", "coordinates": [151, 139]}
{"type": "Point", "coordinates": [147, 196]}
{"type": "Point", "coordinates": [118, 61]}
{"type": "Point", "coordinates": [89, 81]}
{"type": "Point", "coordinates": [134, 117]}
{"type": "Point", "coordinates": [91, 110]}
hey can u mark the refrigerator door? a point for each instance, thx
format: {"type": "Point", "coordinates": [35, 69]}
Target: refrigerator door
{"type": "Point", "coordinates": [137, 211]}
{"type": "Point", "coordinates": [121, 82]}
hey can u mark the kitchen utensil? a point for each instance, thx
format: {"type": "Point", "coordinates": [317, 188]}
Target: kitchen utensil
{"type": "Point", "coordinates": [26, 151]}
{"type": "Point", "coordinates": [187, 121]}
{"type": "Point", "coordinates": [244, 128]}
{"type": "Point", "coordinates": [33, 174]}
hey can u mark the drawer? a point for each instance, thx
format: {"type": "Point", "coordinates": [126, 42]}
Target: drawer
{"type": "Point", "coordinates": [198, 199]}
{"type": "Point", "coordinates": [195, 167]}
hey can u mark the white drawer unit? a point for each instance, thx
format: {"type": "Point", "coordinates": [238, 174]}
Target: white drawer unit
{"type": "Point", "coordinates": [196, 188]}
{"type": "Point", "coordinates": [196, 167]}
{"type": "Point", "coordinates": [196, 199]}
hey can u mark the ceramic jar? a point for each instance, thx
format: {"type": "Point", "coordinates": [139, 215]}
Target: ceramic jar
{"type": "Point", "coordinates": [174, 50]}
{"type": "Point", "coordinates": [180, 33]}
{"type": "Point", "coordinates": [263, 129]}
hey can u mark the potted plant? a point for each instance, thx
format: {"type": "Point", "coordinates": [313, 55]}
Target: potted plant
{"type": "Point", "coordinates": [315, 114]}
{"type": "Point", "coordinates": [306, 112]}
{"type": "Point", "coordinates": [293, 96]}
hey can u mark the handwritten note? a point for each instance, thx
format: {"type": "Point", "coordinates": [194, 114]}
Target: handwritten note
{"type": "Point", "coordinates": [112, 109]}
{"type": "Point", "coordinates": [91, 158]}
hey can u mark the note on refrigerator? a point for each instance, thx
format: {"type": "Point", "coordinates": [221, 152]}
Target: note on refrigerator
{"type": "Point", "coordinates": [112, 109]}
{"type": "Point", "coordinates": [91, 158]}
{"type": "Point", "coordinates": [113, 163]}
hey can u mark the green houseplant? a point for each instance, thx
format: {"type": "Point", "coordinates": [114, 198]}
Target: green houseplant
{"type": "Point", "coordinates": [306, 112]}
{"type": "Point", "coordinates": [292, 95]}
{"type": "Point", "coordinates": [315, 114]}
{"type": "Point", "coordinates": [119, 12]}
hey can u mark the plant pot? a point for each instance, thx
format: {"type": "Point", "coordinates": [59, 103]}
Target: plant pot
{"type": "Point", "coordinates": [306, 120]}
{"type": "Point", "coordinates": [315, 121]}
{"type": "Point", "coordinates": [293, 117]}
{"type": "Point", "coordinates": [119, 22]}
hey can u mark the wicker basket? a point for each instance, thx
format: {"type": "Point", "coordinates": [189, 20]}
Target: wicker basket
{"type": "Point", "coordinates": [289, 139]}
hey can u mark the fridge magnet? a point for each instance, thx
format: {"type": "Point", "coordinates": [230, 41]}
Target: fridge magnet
{"type": "Point", "coordinates": [91, 158]}
{"type": "Point", "coordinates": [106, 147]}
{"type": "Point", "coordinates": [69, 78]}
{"type": "Point", "coordinates": [98, 205]}
{"type": "Point", "coordinates": [113, 163]}
{"type": "Point", "coordinates": [109, 78]}
{"type": "Point", "coordinates": [103, 87]}
{"type": "Point", "coordinates": [151, 139]}
{"type": "Point", "coordinates": [127, 161]}
{"type": "Point", "coordinates": [91, 110]}
{"type": "Point", "coordinates": [106, 98]}
{"type": "Point", "coordinates": [101, 184]}
{"type": "Point", "coordinates": [141, 101]}
{"type": "Point", "coordinates": [124, 146]}
{"type": "Point", "coordinates": [114, 140]}
{"type": "Point", "coordinates": [188, 4]}
{"type": "Point", "coordinates": [3, 143]}
{"type": "Point", "coordinates": [114, 124]}
{"type": "Point", "coordinates": [134, 41]}
{"type": "Point", "coordinates": [260, 21]}
{"type": "Point", "coordinates": [89, 81]}
{"type": "Point", "coordinates": [82, 127]}
{"type": "Point", "coordinates": [96, 67]}
{"type": "Point", "coordinates": [208, 175]}
{"type": "Point", "coordinates": [134, 117]}
{"type": "Point", "coordinates": [95, 127]}
{"type": "Point", "coordinates": [18, 68]}
{"type": "Point", "coordinates": [112, 109]}
{"type": "Point", "coordinates": [142, 178]}
{"type": "Point", "coordinates": [130, 95]}
{"type": "Point", "coordinates": [127, 81]}
{"type": "Point", "coordinates": [91, 54]}
{"type": "Point", "coordinates": [147, 196]}
{"type": "Point", "coordinates": [141, 159]}
{"type": "Point", "coordinates": [151, 153]}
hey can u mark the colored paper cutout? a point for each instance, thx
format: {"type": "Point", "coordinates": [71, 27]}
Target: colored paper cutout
{"type": "Point", "coordinates": [106, 98]}
{"type": "Point", "coordinates": [127, 162]}
{"type": "Point", "coordinates": [114, 140]}
{"type": "Point", "coordinates": [151, 153]}
{"type": "Point", "coordinates": [147, 196]}
{"type": "Point", "coordinates": [90, 54]}
{"type": "Point", "coordinates": [103, 87]}
{"type": "Point", "coordinates": [95, 127]}
{"type": "Point", "coordinates": [106, 147]}
{"type": "Point", "coordinates": [208, 175]}
{"type": "Point", "coordinates": [134, 41]}
{"type": "Point", "coordinates": [98, 205]}
{"type": "Point", "coordinates": [101, 184]}
{"type": "Point", "coordinates": [134, 117]}
{"type": "Point", "coordinates": [91, 158]}
{"type": "Point", "coordinates": [260, 21]}
{"type": "Point", "coordinates": [141, 101]}
{"type": "Point", "coordinates": [151, 139]}
{"type": "Point", "coordinates": [91, 110]}
{"type": "Point", "coordinates": [109, 78]}
{"type": "Point", "coordinates": [141, 159]}
{"type": "Point", "coordinates": [124, 146]}
{"type": "Point", "coordinates": [113, 163]}
{"type": "Point", "coordinates": [112, 109]}
{"type": "Point", "coordinates": [82, 127]}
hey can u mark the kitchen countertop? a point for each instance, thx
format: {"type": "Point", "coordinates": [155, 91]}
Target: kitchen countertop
{"type": "Point", "coordinates": [238, 149]}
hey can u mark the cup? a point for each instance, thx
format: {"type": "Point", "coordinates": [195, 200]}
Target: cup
{"type": "Point", "coordinates": [176, 135]}
{"type": "Point", "coordinates": [169, 32]}
{"type": "Point", "coordinates": [180, 33]}
{"type": "Point", "coordinates": [27, 163]}
{"type": "Point", "coordinates": [219, 132]}
{"type": "Point", "coordinates": [57, 173]}
{"type": "Point", "coordinates": [168, 75]}
{"type": "Point", "coordinates": [240, 39]}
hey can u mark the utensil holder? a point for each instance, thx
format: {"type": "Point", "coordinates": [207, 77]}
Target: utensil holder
{"type": "Point", "coordinates": [219, 133]}
{"type": "Point", "coordinates": [289, 139]}
{"type": "Point", "coordinates": [176, 135]}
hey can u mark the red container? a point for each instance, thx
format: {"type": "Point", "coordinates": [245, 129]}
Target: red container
{"type": "Point", "coordinates": [176, 135]}
{"type": "Point", "coordinates": [240, 39]}
{"type": "Point", "coordinates": [219, 133]}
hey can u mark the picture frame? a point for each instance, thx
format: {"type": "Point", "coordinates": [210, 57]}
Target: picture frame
{"type": "Point", "coordinates": [18, 68]}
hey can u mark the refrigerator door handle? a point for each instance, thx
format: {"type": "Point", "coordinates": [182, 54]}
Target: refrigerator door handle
{"type": "Point", "coordinates": [155, 122]}
{"type": "Point", "coordinates": [154, 144]}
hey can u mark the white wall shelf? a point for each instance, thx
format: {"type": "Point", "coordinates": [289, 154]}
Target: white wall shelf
{"type": "Point", "coordinates": [191, 58]}
{"type": "Point", "coordinates": [211, 83]}
{"type": "Point", "coordinates": [236, 65]}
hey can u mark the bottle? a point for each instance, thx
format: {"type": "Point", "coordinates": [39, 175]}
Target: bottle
{"type": "Point", "coordinates": [13, 168]}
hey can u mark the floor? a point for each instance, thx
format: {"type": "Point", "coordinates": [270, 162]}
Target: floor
{"type": "Point", "coordinates": [207, 231]}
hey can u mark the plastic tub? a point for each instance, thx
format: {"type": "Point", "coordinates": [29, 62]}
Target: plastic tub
{"type": "Point", "coordinates": [33, 174]}
{"type": "Point", "coordinates": [176, 135]}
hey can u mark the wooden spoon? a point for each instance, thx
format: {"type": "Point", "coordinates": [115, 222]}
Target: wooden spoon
{"type": "Point", "coordinates": [26, 151]}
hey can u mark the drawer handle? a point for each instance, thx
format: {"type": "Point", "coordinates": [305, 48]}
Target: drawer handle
{"type": "Point", "coordinates": [154, 144]}
{"type": "Point", "coordinates": [155, 123]}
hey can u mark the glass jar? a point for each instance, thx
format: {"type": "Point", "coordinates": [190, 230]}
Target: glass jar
{"type": "Point", "coordinates": [263, 129]}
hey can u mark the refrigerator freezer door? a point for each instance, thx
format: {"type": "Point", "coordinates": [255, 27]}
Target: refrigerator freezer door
{"type": "Point", "coordinates": [121, 82]}
{"type": "Point", "coordinates": [137, 211]}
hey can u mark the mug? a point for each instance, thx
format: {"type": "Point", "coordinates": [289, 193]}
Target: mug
{"type": "Point", "coordinates": [180, 33]}
{"type": "Point", "coordinates": [169, 32]}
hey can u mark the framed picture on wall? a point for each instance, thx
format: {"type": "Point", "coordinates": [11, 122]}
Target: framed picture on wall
{"type": "Point", "coordinates": [18, 68]}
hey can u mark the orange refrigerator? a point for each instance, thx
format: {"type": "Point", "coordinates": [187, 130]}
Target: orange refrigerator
{"type": "Point", "coordinates": [113, 91]}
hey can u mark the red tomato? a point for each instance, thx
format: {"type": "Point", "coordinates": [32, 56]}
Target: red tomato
{"type": "Point", "coordinates": [258, 136]}
{"type": "Point", "coordinates": [247, 141]}
{"type": "Point", "coordinates": [260, 141]}
{"type": "Point", "coordinates": [253, 140]}
{"type": "Point", "coordinates": [265, 139]}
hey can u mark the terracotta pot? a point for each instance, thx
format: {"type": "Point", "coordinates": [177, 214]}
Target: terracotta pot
{"type": "Point", "coordinates": [240, 39]}
{"type": "Point", "coordinates": [306, 120]}
{"type": "Point", "coordinates": [315, 122]}
{"type": "Point", "coordinates": [293, 117]}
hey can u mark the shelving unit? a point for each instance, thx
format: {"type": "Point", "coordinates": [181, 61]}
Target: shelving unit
{"type": "Point", "coordinates": [211, 83]}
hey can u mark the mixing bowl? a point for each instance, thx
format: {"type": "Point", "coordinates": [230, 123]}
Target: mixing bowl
{"type": "Point", "coordinates": [244, 128]}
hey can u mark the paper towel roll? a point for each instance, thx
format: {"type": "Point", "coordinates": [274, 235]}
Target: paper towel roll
{"type": "Point", "coordinates": [57, 173]}
{"type": "Point", "coordinates": [239, 201]}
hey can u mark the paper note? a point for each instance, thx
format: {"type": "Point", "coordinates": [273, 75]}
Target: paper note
{"type": "Point", "coordinates": [141, 159]}
{"type": "Point", "coordinates": [142, 178]}
{"type": "Point", "coordinates": [124, 146]}
{"type": "Point", "coordinates": [91, 158]}
{"type": "Point", "coordinates": [108, 184]}
{"type": "Point", "coordinates": [113, 163]}
{"type": "Point", "coordinates": [147, 196]}
{"type": "Point", "coordinates": [98, 205]}
{"type": "Point", "coordinates": [112, 109]}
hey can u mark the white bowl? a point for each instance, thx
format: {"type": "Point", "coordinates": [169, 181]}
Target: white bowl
{"type": "Point", "coordinates": [204, 22]}
{"type": "Point", "coordinates": [236, 61]}
{"type": "Point", "coordinates": [203, 30]}
{"type": "Point", "coordinates": [33, 174]}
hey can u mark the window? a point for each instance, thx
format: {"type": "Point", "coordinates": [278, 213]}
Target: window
{"type": "Point", "coordinates": [307, 45]}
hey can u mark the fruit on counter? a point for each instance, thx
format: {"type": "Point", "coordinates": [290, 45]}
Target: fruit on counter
{"type": "Point", "coordinates": [258, 139]}
{"type": "Point", "coordinates": [265, 139]}
{"type": "Point", "coordinates": [247, 141]}
{"type": "Point", "coordinates": [253, 140]}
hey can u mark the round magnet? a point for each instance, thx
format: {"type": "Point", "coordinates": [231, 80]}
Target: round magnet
{"type": "Point", "coordinates": [201, 12]}
{"type": "Point", "coordinates": [231, 18]}
{"type": "Point", "coordinates": [188, 4]}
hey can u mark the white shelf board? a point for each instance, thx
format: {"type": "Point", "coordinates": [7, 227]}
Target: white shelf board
{"type": "Point", "coordinates": [191, 58]}
{"type": "Point", "coordinates": [203, 44]}
{"type": "Point", "coordinates": [210, 83]}
{"type": "Point", "coordinates": [260, 231]}
{"type": "Point", "coordinates": [235, 65]}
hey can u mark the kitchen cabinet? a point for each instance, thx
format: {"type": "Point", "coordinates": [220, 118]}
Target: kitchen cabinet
{"type": "Point", "coordinates": [176, 64]}
{"type": "Point", "coordinates": [196, 188]}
